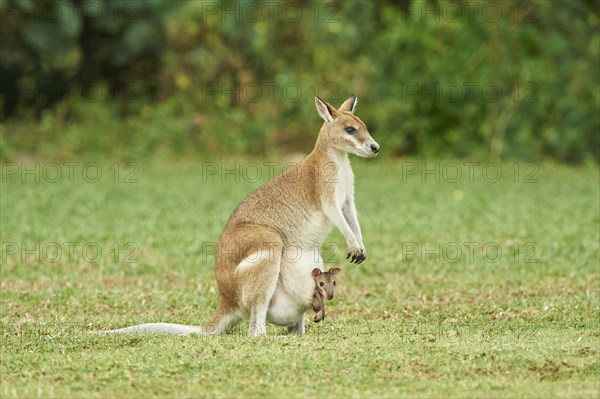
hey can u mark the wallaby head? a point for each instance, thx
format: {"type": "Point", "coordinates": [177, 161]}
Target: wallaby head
{"type": "Point", "coordinates": [325, 281]}
{"type": "Point", "coordinates": [343, 130]}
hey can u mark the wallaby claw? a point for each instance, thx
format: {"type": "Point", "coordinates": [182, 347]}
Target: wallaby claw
{"type": "Point", "coordinates": [358, 256]}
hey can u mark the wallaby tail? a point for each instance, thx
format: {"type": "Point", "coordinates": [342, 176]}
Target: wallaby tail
{"type": "Point", "coordinates": [218, 324]}
{"type": "Point", "coordinates": [158, 328]}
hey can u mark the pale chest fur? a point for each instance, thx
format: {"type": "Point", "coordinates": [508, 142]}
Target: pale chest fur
{"type": "Point", "coordinates": [295, 286]}
{"type": "Point", "coordinates": [343, 186]}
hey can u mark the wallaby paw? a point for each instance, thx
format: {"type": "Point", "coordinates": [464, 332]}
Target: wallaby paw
{"type": "Point", "coordinates": [358, 255]}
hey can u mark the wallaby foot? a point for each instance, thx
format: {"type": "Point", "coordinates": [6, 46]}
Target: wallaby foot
{"type": "Point", "coordinates": [258, 321]}
{"type": "Point", "coordinates": [319, 316]}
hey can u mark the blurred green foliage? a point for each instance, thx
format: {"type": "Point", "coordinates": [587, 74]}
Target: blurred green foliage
{"type": "Point", "coordinates": [488, 80]}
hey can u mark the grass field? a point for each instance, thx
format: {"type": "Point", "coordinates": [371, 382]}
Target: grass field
{"type": "Point", "coordinates": [472, 287]}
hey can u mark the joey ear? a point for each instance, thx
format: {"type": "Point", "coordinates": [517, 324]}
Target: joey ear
{"type": "Point", "coordinates": [326, 110]}
{"type": "Point", "coordinates": [349, 104]}
{"type": "Point", "coordinates": [316, 272]}
{"type": "Point", "coordinates": [334, 270]}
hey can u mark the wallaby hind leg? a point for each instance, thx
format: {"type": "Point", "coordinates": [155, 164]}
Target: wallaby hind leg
{"type": "Point", "coordinates": [262, 288]}
{"type": "Point", "coordinates": [258, 273]}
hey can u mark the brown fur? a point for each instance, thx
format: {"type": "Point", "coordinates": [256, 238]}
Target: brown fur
{"type": "Point", "coordinates": [275, 215]}
{"type": "Point", "coordinates": [324, 287]}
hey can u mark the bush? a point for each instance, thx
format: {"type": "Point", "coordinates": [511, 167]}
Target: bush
{"type": "Point", "coordinates": [462, 79]}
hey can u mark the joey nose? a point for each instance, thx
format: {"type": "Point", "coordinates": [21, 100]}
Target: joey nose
{"type": "Point", "coordinates": [375, 148]}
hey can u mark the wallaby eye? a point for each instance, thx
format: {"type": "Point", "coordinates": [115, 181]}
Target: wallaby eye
{"type": "Point", "coordinates": [321, 283]}
{"type": "Point", "coordinates": [350, 129]}
{"type": "Point", "coordinates": [334, 283]}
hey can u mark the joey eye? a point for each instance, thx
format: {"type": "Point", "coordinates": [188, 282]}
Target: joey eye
{"type": "Point", "coordinates": [321, 283]}
{"type": "Point", "coordinates": [350, 129]}
{"type": "Point", "coordinates": [334, 283]}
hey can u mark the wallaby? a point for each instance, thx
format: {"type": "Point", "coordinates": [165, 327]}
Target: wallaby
{"type": "Point", "coordinates": [271, 242]}
{"type": "Point", "coordinates": [324, 285]}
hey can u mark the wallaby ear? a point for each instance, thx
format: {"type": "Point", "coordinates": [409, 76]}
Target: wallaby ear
{"type": "Point", "coordinates": [316, 272]}
{"type": "Point", "coordinates": [334, 270]}
{"type": "Point", "coordinates": [349, 104]}
{"type": "Point", "coordinates": [326, 110]}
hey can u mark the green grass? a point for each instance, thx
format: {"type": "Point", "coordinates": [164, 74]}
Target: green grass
{"type": "Point", "coordinates": [433, 312]}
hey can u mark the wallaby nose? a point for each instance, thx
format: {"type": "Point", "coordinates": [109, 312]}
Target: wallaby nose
{"type": "Point", "coordinates": [375, 148]}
